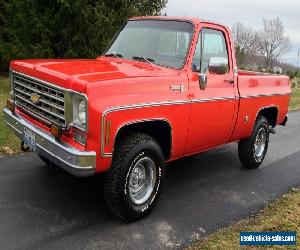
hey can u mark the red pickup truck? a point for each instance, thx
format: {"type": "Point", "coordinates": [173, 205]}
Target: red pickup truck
{"type": "Point", "coordinates": [165, 88]}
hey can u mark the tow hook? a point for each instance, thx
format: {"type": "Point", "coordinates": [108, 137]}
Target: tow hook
{"type": "Point", "coordinates": [272, 131]}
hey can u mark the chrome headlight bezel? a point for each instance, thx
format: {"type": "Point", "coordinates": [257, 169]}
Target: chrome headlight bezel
{"type": "Point", "coordinates": [73, 100]}
{"type": "Point", "coordinates": [79, 118]}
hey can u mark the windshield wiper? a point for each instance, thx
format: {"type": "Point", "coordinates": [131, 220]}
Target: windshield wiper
{"type": "Point", "coordinates": [114, 55]}
{"type": "Point", "coordinates": [144, 59]}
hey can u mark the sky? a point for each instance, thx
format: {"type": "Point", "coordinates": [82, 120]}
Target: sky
{"type": "Point", "coordinates": [250, 13]}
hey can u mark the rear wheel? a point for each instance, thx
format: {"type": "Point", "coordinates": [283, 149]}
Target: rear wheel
{"type": "Point", "coordinates": [133, 184]}
{"type": "Point", "coordinates": [252, 150]}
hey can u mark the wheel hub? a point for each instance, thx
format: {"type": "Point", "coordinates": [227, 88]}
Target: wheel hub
{"type": "Point", "coordinates": [142, 180]}
{"type": "Point", "coordinates": [260, 144]}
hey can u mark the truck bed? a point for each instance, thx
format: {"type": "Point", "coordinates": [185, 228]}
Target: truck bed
{"type": "Point", "coordinates": [256, 92]}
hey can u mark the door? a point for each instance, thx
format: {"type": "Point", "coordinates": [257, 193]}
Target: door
{"type": "Point", "coordinates": [212, 108]}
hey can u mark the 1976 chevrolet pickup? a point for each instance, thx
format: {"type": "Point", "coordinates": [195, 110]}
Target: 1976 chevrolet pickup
{"type": "Point", "coordinates": [165, 88]}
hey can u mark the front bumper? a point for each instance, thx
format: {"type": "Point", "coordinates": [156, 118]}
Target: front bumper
{"type": "Point", "coordinates": [76, 162]}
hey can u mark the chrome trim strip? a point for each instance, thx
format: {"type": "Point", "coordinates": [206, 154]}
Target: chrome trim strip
{"type": "Point", "coordinates": [145, 105]}
{"type": "Point", "coordinates": [264, 95]}
{"type": "Point", "coordinates": [133, 106]}
{"type": "Point", "coordinates": [214, 99]}
{"type": "Point", "coordinates": [74, 161]}
{"type": "Point", "coordinates": [179, 102]}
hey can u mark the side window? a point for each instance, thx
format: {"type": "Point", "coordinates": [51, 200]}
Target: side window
{"type": "Point", "coordinates": [211, 43]}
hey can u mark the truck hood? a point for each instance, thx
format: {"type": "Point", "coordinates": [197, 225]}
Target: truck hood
{"type": "Point", "coordinates": [76, 74]}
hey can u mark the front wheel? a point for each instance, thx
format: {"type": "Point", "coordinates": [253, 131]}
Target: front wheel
{"type": "Point", "coordinates": [133, 184]}
{"type": "Point", "coordinates": [252, 150]}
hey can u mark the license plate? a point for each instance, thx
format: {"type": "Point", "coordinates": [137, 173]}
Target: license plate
{"type": "Point", "coordinates": [29, 139]}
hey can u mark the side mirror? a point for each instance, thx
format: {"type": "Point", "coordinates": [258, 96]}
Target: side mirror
{"type": "Point", "coordinates": [218, 65]}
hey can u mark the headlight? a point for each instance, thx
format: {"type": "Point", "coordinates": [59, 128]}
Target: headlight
{"type": "Point", "coordinates": [82, 112]}
{"type": "Point", "coordinates": [79, 112]}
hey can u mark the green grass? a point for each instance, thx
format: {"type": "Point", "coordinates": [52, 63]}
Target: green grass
{"type": "Point", "coordinates": [9, 143]}
{"type": "Point", "coordinates": [281, 215]}
{"type": "Point", "coordinates": [295, 100]}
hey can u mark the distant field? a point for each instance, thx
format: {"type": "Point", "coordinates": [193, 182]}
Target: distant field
{"type": "Point", "coordinates": [9, 143]}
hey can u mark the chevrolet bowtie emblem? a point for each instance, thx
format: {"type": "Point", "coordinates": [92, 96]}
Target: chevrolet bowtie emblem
{"type": "Point", "coordinates": [35, 98]}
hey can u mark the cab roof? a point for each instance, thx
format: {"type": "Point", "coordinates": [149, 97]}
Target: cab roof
{"type": "Point", "coordinates": [193, 20]}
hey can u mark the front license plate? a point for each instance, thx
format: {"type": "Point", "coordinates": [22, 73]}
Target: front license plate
{"type": "Point", "coordinates": [29, 139]}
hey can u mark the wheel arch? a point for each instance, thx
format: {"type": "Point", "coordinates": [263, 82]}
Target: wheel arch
{"type": "Point", "coordinates": [270, 113]}
{"type": "Point", "coordinates": [158, 128]}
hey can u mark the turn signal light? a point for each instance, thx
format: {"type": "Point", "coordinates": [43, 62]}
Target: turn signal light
{"type": "Point", "coordinates": [79, 137]}
{"type": "Point", "coordinates": [56, 131]}
{"type": "Point", "coordinates": [10, 105]}
{"type": "Point", "coordinates": [107, 132]}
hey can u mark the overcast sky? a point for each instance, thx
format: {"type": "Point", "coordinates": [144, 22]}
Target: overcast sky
{"type": "Point", "coordinates": [247, 12]}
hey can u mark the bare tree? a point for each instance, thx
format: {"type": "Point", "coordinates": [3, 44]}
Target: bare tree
{"type": "Point", "coordinates": [247, 43]}
{"type": "Point", "coordinates": [273, 42]}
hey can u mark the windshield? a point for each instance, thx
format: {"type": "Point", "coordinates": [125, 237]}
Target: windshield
{"type": "Point", "coordinates": [161, 42]}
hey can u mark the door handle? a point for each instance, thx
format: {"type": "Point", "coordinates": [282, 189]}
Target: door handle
{"type": "Point", "coordinates": [231, 81]}
{"type": "Point", "coordinates": [202, 81]}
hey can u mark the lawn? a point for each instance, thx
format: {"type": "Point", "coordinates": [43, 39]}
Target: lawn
{"type": "Point", "coordinates": [295, 100]}
{"type": "Point", "coordinates": [9, 143]}
{"type": "Point", "coordinates": [281, 215]}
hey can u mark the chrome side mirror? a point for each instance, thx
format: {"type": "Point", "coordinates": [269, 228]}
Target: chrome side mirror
{"type": "Point", "coordinates": [218, 65]}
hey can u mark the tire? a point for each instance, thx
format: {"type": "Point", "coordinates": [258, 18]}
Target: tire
{"type": "Point", "coordinates": [252, 150]}
{"type": "Point", "coordinates": [136, 153]}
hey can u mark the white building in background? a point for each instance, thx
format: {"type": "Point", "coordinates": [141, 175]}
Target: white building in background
{"type": "Point", "coordinates": [277, 70]}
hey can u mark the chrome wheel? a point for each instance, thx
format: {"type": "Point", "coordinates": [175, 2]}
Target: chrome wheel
{"type": "Point", "coordinates": [260, 144]}
{"type": "Point", "coordinates": [142, 180]}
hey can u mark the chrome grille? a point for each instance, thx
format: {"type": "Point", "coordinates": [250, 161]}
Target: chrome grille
{"type": "Point", "coordinates": [50, 105]}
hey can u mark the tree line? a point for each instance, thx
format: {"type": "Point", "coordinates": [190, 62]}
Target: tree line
{"type": "Point", "coordinates": [263, 48]}
{"type": "Point", "coordinates": [83, 28]}
{"type": "Point", "coordinates": [64, 28]}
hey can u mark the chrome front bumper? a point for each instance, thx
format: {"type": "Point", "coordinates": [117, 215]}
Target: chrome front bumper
{"type": "Point", "coordinates": [76, 162]}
